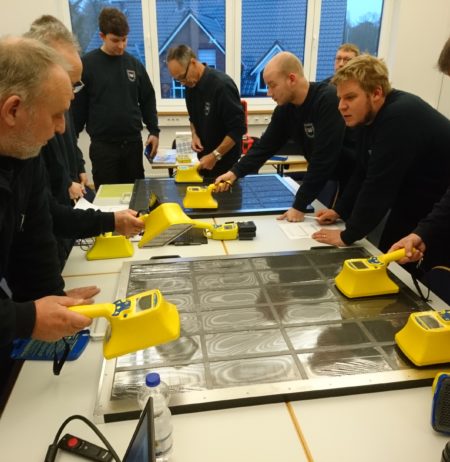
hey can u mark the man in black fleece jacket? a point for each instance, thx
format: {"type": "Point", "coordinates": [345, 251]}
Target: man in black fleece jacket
{"type": "Point", "coordinates": [306, 112]}
{"type": "Point", "coordinates": [431, 234]}
{"type": "Point", "coordinates": [34, 95]}
{"type": "Point", "coordinates": [117, 97]}
{"type": "Point", "coordinates": [61, 153]}
{"type": "Point", "coordinates": [403, 157]}
{"type": "Point", "coordinates": [215, 110]}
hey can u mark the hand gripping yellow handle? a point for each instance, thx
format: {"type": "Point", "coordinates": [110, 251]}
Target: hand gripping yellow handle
{"type": "Point", "coordinates": [99, 310]}
{"type": "Point", "coordinates": [392, 256]}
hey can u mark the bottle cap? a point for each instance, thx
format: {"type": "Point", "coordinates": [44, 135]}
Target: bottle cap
{"type": "Point", "coordinates": [152, 379]}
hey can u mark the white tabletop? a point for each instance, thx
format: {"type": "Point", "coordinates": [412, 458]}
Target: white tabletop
{"type": "Point", "coordinates": [387, 426]}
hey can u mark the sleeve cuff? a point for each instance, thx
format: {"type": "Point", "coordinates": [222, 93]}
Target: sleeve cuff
{"type": "Point", "coordinates": [25, 319]}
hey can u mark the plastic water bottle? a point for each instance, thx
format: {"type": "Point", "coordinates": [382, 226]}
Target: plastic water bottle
{"type": "Point", "coordinates": [159, 391]}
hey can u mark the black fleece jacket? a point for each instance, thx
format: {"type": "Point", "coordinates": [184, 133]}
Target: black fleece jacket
{"type": "Point", "coordinates": [319, 129]}
{"type": "Point", "coordinates": [117, 97]}
{"type": "Point", "coordinates": [403, 168]}
{"type": "Point", "coordinates": [28, 255]}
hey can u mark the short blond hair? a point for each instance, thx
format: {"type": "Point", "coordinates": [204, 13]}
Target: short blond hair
{"type": "Point", "coordinates": [369, 71]}
{"type": "Point", "coordinates": [26, 64]}
{"type": "Point", "coordinates": [351, 47]}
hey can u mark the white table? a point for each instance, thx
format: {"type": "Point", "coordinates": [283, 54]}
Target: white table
{"type": "Point", "coordinates": [387, 426]}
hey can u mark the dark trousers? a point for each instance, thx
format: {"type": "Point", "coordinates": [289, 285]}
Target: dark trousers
{"type": "Point", "coordinates": [116, 162]}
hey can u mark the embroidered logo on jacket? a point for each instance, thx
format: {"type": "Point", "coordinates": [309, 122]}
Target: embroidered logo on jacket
{"type": "Point", "coordinates": [207, 108]}
{"type": "Point", "coordinates": [131, 75]}
{"type": "Point", "coordinates": [309, 130]}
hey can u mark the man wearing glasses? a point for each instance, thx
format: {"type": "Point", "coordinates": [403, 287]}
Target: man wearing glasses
{"type": "Point", "coordinates": [66, 169]}
{"type": "Point", "coordinates": [117, 99]}
{"type": "Point", "coordinates": [344, 54]}
{"type": "Point", "coordinates": [215, 111]}
{"type": "Point", "coordinates": [61, 156]}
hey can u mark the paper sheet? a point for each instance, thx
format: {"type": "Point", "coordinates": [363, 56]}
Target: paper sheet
{"type": "Point", "coordinates": [302, 230]}
{"type": "Point", "coordinates": [83, 204]}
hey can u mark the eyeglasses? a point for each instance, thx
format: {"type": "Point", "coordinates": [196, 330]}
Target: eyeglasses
{"type": "Point", "coordinates": [77, 86]}
{"type": "Point", "coordinates": [345, 59]}
{"type": "Point", "coordinates": [183, 77]}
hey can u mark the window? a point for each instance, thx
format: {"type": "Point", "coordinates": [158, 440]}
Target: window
{"type": "Point", "coordinates": [257, 30]}
{"type": "Point", "coordinates": [199, 24]}
{"type": "Point", "coordinates": [344, 21]}
{"type": "Point", "coordinates": [269, 26]}
{"type": "Point", "coordinates": [84, 17]}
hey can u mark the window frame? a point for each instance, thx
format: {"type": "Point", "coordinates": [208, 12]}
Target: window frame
{"type": "Point", "coordinates": [233, 31]}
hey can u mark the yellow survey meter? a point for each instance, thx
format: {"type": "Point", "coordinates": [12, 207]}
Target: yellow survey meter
{"type": "Point", "coordinates": [168, 221]}
{"type": "Point", "coordinates": [188, 174]}
{"type": "Point", "coordinates": [136, 322]}
{"type": "Point", "coordinates": [366, 277]}
{"type": "Point", "coordinates": [425, 339]}
{"type": "Point", "coordinates": [200, 197]}
{"type": "Point", "coordinates": [110, 246]}
{"type": "Point", "coordinates": [225, 232]}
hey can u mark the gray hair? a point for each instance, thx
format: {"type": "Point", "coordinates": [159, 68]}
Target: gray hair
{"type": "Point", "coordinates": [25, 64]}
{"type": "Point", "coordinates": [49, 30]}
{"type": "Point", "coordinates": [181, 53]}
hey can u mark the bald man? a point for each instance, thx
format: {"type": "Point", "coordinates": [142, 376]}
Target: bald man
{"type": "Point", "coordinates": [306, 112]}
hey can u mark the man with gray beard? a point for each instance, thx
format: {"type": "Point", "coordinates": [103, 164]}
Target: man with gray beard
{"type": "Point", "coordinates": [35, 92]}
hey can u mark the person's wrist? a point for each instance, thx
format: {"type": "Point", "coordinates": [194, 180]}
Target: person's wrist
{"type": "Point", "coordinates": [217, 154]}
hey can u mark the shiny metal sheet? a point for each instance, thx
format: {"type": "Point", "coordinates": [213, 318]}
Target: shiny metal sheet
{"type": "Point", "coordinates": [262, 328]}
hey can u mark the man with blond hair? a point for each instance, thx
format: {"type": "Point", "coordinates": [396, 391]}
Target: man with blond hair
{"type": "Point", "coordinates": [306, 112]}
{"type": "Point", "coordinates": [34, 95]}
{"type": "Point", "coordinates": [403, 157]}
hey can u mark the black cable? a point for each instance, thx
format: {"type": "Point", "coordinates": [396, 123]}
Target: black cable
{"type": "Point", "coordinates": [53, 448]}
{"type": "Point", "coordinates": [425, 298]}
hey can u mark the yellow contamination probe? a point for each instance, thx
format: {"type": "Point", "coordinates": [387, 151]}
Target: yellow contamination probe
{"type": "Point", "coordinates": [425, 338]}
{"type": "Point", "coordinates": [188, 174]}
{"type": "Point", "coordinates": [168, 221]}
{"type": "Point", "coordinates": [366, 277]}
{"type": "Point", "coordinates": [137, 322]}
{"type": "Point", "coordinates": [200, 197]}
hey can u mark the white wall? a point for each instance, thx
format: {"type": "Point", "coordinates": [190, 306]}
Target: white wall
{"type": "Point", "coordinates": [17, 15]}
{"type": "Point", "coordinates": [412, 44]}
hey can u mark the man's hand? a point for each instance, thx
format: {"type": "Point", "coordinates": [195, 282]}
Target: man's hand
{"type": "Point", "coordinates": [154, 142]}
{"type": "Point", "coordinates": [85, 294]}
{"type": "Point", "coordinates": [83, 178]}
{"type": "Point", "coordinates": [292, 215]}
{"type": "Point", "coordinates": [207, 162]}
{"type": "Point", "coordinates": [54, 320]}
{"type": "Point", "coordinates": [329, 236]}
{"type": "Point", "coordinates": [327, 216]}
{"type": "Point", "coordinates": [76, 191]}
{"type": "Point", "coordinates": [414, 248]}
{"type": "Point", "coordinates": [196, 144]}
{"type": "Point", "coordinates": [225, 181]}
{"type": "Point", "coordinates": [126, 223]}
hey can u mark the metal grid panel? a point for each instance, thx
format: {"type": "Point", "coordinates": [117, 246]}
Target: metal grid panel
{"type": "Point", "coordinates": [262, 328]}
{"type": "Point", "coordinates": [251, 195]}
